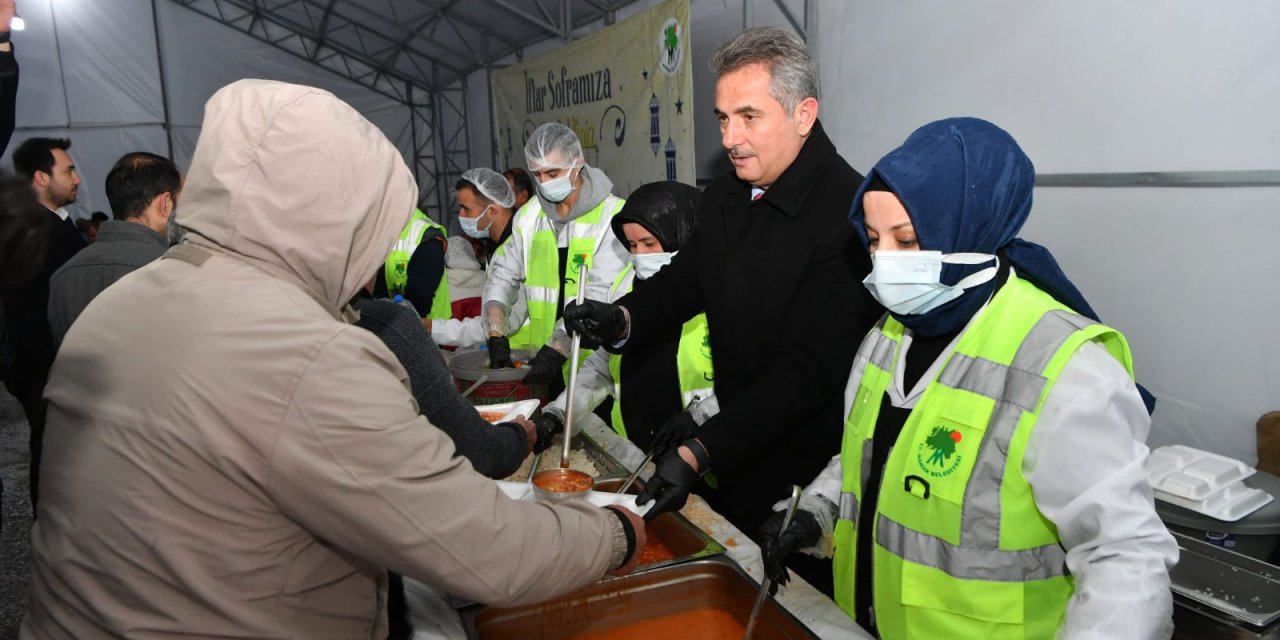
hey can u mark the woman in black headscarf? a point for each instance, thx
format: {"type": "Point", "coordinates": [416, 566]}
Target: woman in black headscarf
{"type": "Point", "coordinates": [660, 395]}
{"type": "Point", "coordinates": [991, 482]}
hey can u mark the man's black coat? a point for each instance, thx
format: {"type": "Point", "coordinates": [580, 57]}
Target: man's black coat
{"type": "Point", "coordinates": [780, 279]}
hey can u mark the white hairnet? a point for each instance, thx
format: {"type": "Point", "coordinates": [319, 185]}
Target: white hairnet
{"type": "Point", "coordinates": [553, 146]}
{"type": "Point", "coordinates": [491, 185]}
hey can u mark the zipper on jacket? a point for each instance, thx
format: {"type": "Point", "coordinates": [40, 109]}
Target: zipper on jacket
{"type": "Point", "coordinates": [377, 608]}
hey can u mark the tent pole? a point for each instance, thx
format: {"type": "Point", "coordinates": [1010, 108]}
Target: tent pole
{"type": "Point", "coordinates": [413, 134]}
{"type": "Point", "coordinates": [164, 89]}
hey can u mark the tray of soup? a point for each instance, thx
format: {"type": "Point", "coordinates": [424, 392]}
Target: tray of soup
{"type": "Point", "coordinates": [709, 599]}
{"type": "Point", "coordinates": [672, 539]}
{"type": "Point", "coordinates": [584, 455]}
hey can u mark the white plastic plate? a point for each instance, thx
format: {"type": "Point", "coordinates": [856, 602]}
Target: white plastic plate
{"type": "Point", "coordinates": [1191, 474]}
{"type": "Point", "coordinates": [511, 409]}
{"type": "Point", "coordinates": [522, 491]}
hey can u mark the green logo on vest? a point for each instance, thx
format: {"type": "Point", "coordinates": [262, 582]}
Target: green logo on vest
{"type": "Point", "coordinates": [706, 346]}
{"type": "Point", "coordinates": [943, 459]}
{"type": "Point", "coordinates": [401, 267]}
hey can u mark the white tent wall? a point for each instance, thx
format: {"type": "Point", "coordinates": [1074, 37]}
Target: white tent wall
{"type": "Point", "coordinates": [201, 56]}
{"type": "Point", "coordinates": [1189, 274]}
{"type": "Point", "coordinates": [90, 73]}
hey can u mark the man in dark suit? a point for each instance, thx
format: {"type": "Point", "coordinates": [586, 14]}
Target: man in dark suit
{"type": "Point", "coordinates": [776, 268]}
{"type": "Point", "coordinates": [48, 168]}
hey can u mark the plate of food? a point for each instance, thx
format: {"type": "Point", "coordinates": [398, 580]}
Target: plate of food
{"type": "Point", "coordinates": [522, 491]}
{"type": "Point", "coordinates": [505, 412]}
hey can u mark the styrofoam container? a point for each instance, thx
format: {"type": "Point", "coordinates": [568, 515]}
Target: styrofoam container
{"type": "Point", "coordinates": [510, 410]}
{"type": "Point", "coordinates": [1233, 502]}
{"type": "Point", "coordinates": [1191, 474]}
{"type": "Point", "coordinates": [522, 491]}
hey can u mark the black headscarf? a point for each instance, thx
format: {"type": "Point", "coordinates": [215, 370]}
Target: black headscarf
{"type": "Point", "coordinates": [668, 210]}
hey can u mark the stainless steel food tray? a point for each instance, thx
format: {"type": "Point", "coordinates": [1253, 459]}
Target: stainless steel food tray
{"type": "Point", "coordinates": [715, 583]}
{"type": "Point", "coordinates": [1226, 585]}
{"type": "Point", "coordinates": [683, 538]}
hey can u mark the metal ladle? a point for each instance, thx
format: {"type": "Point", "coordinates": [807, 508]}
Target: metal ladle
{"type": "Point", "coordinates": [573, 370]}
{"type": "Point", "coordinates": [534, 469]}
{"type": "Point", "coordinates": [764, 584]}
{"type": "Point", "coordinates": [564, 475]}
{"type": "Point", "coordinates": [631, 479]}
{"type": "Point", "coordinates": [475, 385]}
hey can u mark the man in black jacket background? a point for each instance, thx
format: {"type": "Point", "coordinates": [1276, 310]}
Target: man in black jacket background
{"type": "Point", "coordinates": [775, 266]}
{"type": "Point", "coordinates": [46, 165]}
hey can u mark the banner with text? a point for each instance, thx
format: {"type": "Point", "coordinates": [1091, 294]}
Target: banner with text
{"type": "Point", "coordinates": [627, 91]}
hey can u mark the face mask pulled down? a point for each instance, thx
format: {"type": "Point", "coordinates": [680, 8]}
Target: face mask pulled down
{"type": "Point", "coordinates": [909, 282]}
{"type": "Point", "coordinates": [649, 264]}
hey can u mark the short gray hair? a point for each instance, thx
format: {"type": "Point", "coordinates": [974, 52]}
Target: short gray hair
{"type": "Point", "coordinates": [793, 75]}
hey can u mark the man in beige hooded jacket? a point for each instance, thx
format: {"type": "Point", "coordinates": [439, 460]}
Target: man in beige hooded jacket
{"type": "Point", "coordinates": [227, 457]}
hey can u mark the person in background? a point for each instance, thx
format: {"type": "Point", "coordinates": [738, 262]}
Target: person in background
{"type": "Point", "coordinates": [521, 185]}
{"type": "Point", "coordinates": [566, 225]}
{"type": "Point", "coordinates": [23, 227]}
{"type": "Point", "coordinates": [991, 482]}
{"type": "Point", "coordinates": [90, 228]}
{"type": "Point", "coordinates": [21, 234]}
{"type": "Point", "coordinates": [22, 231]}
{"type": "Point", "coordinates": [484, 213]}
{"type": "Point", "coordinates": [8, 76]}
{"type": "Point", "coordinates": [51, 175]}
{"type": "Point", "coordinates": [774, 267]}
{"type": "Point", "coordinates": [670, 383]}
{"type": "Point", "coordinates": [415, 269]}
{"type": "Point", "coordinates": [485, 207]}
{"type": "Point", "coordinates": [262, 483]}
{"type": "Point", "coordinates": [143, 190]}
{"type": "Point", "coordinates": [494, 450]}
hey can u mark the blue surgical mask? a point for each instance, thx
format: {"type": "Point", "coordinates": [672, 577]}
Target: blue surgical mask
{"type": "Point", "coordinates": [471, 226]}
{"type": "Point", "coordinates": [557, 189]}
{"type": "Point", "coordinates": [908, 282]}
{"type": "Point", "coordinates": [649, 264]}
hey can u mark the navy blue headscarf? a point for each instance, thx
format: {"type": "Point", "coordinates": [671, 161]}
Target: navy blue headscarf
{"type": "Point", "coordinates": [967, 186]}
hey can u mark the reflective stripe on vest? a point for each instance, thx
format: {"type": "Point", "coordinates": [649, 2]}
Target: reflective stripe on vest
{"type": "Point", "coordinates": [693, 358]}
{"type": "Point", "coordinates": [587, 234]}
{"type": "Point", "coordinates": [1037, 336]}
{"type": "Point", "coordinates": [396, 269]}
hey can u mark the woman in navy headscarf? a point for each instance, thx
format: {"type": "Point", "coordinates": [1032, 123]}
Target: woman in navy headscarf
{"type": "Point", "coordinates": [991, 481]}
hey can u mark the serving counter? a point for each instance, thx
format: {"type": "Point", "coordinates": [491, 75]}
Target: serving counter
{"type": "Point", "coordinates": [434, 616]}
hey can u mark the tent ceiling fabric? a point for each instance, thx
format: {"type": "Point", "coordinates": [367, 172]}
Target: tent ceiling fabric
{"type": "Point", "coordinates": [385, 43]}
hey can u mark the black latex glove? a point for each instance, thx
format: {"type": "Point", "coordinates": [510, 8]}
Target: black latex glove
{"type": "Point", "coordinates": [598, 323]}
{"type": "Point", "coordinates": [675, 430]}
{"type": "Point", "coordinates": [547, 426]}
{"type": "Point", "coordinates": [776, 545]}
{"type": "Point", "coordinates": [546, 366]}
{"type": "Point", "coordinates": [669, 485]}
{"type": "Point", "coordinates": [500, 353]}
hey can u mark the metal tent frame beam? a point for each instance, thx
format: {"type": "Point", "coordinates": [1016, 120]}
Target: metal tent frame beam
{"type": "Point", "coordinates": [437, 143]}
{"type": "Point", "coordinates": [392, 55]}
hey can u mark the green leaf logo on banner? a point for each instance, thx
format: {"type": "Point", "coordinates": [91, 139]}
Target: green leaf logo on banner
{"type": "Point", "coordinates": [671, 41]}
